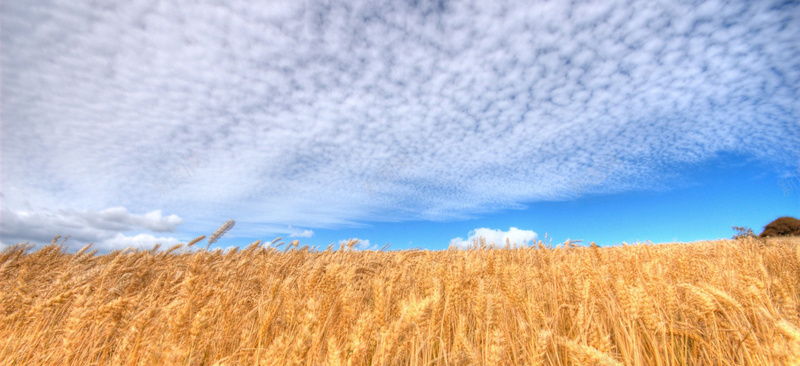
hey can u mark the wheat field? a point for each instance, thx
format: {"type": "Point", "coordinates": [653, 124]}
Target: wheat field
{"type": "Point", "coordinates": [707, 303]}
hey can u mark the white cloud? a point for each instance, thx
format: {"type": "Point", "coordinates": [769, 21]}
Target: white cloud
{"type": "Point", "coordinates": [328, 114]}
{"type": "Point", "coordinates": [498, 237]}
{"type": "Point", "coordinates": [362, 244]}
{"type": "Point", "coordinates": [296, 233]}
{"type": "Point", "coordinates": [156, 222]}
{"type": "Point", "coordinates": [140, 241]}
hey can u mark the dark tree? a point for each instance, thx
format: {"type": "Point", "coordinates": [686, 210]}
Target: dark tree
{"type": "Point", "coordinates": [782, 226]}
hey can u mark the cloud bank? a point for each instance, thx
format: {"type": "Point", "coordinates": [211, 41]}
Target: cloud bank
{"type": "Point", "coordinates": [102, 228]}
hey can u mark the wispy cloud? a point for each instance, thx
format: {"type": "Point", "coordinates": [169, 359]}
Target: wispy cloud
{"type": "Point", "coordinates": [790, 183]}
{"type": "Point", "coordinates": [295, 104]}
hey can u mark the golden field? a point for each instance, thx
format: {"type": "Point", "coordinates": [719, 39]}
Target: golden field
{"type": "Point", "coordinates": [707, 303]}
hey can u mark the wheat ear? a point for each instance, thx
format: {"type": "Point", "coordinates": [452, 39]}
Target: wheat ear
{"type": "Point", "coordinates": [220, 232]}
{"type": "Point", "coordinates": [195, 240]}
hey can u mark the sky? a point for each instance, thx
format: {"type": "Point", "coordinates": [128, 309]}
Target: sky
{"type": "Point", "coordinates": [404, 124]}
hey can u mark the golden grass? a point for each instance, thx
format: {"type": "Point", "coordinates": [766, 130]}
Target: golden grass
{"type": "Point", "coordinates": [706, 303]}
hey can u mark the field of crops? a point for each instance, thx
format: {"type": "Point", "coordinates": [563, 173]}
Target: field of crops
{"type": "Point", "coordinates": [707, 303]}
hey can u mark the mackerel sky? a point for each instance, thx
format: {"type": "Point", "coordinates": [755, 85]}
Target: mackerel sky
{"type": "Point", "coordinates": [410, 123]}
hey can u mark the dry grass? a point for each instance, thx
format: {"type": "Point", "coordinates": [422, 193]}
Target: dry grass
{"type": "Point", "coordinates": [707, 303]}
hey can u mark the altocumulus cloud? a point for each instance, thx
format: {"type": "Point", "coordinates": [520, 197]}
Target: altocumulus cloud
{"type": "Point", "coordinates": [497, 237]}
{"type": "Point", "coordinates": [292, 104]}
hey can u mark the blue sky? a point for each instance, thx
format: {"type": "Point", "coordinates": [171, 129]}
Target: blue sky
{"type": "Point", "coordinates": [417, 124]}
